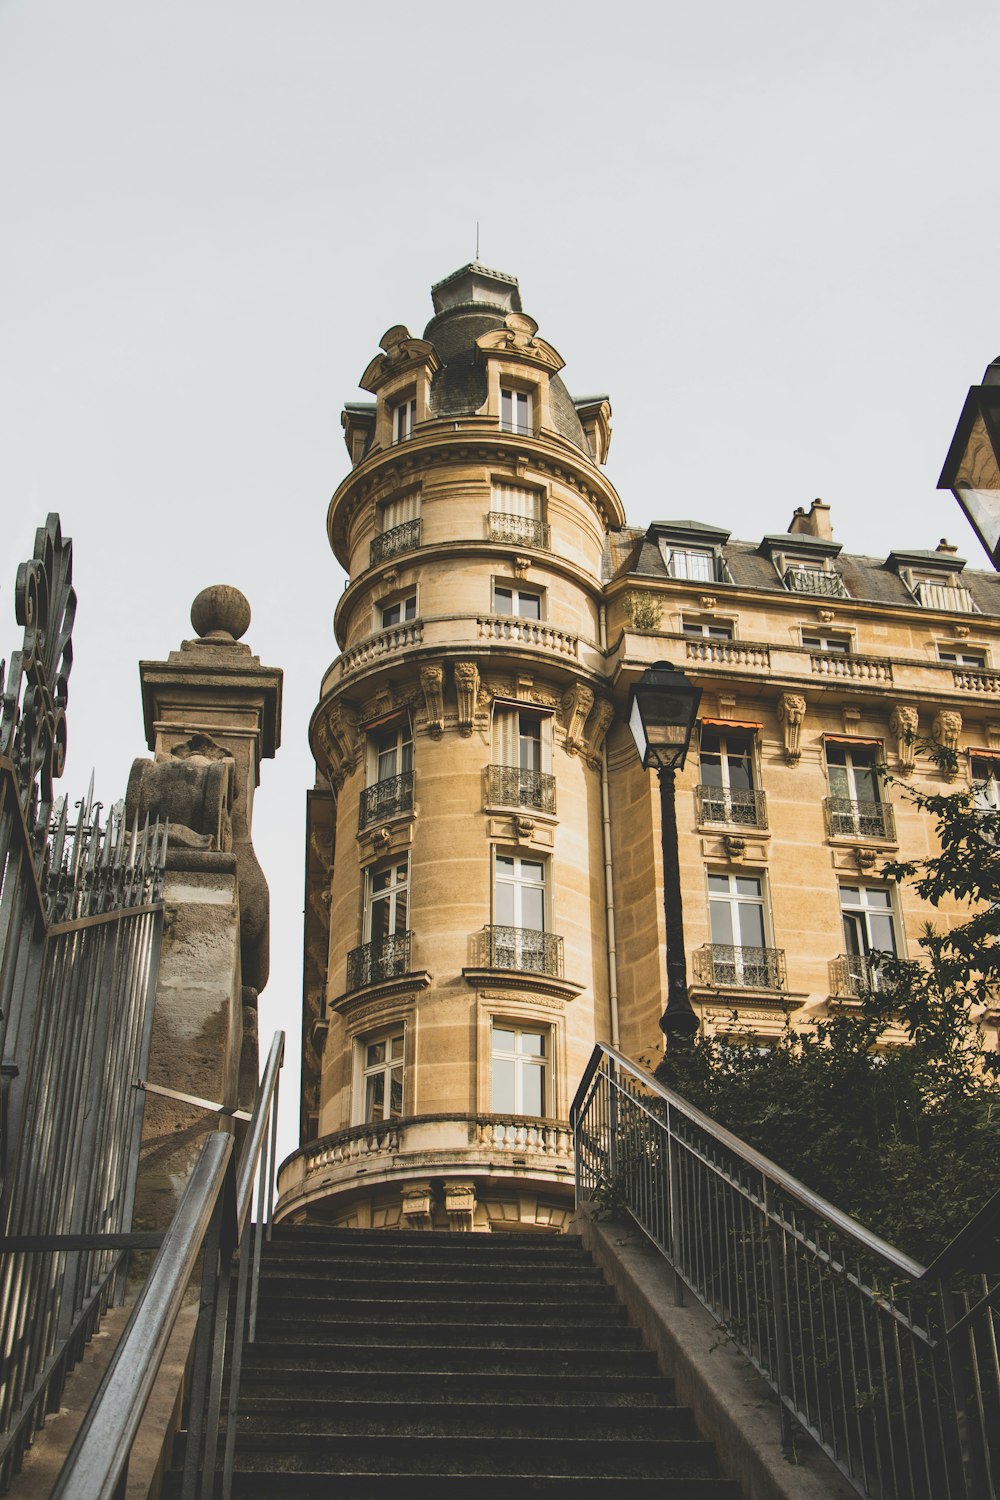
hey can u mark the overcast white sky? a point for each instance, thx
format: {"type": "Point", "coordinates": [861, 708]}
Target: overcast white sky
{"type": "Point", "coordinates": [770, 232]}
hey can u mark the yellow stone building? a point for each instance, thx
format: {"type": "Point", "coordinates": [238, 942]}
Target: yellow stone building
{"type": "Point", "coordinates": [484, 886]}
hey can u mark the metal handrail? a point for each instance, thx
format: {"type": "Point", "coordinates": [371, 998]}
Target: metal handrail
{"type": "Point", "coordinates": [211, 1222]}
{"type": "Point", "coordinates": [891, 1368]}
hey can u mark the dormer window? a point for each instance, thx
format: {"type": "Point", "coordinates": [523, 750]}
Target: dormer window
{"type": "Point", "coordinates": [515, 411]}
{"type": "Point", "coordinates": [404, 416]}
{"type": "Point", "coordinates": [934, 579]}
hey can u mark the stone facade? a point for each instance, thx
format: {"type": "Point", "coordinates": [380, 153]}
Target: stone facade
{"type": "Point", "coordinates": [483, 883]}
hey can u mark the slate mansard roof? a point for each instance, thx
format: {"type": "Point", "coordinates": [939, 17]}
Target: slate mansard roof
{"type": "Point", "coordinates": [871, 580]}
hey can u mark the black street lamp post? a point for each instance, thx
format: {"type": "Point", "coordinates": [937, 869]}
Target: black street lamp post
{"type": "Point", "coordinates": [662, 709]}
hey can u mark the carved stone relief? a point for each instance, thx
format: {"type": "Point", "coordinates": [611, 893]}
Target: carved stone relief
{"type": "Point", "coordinates": [791, 713]}
{"type": "Point", "coordinates": [432, 687]}
{"type": "Point", "coordinates": [466, 691]}
{"type": "Point", "coordinates": [576, 705]}
{"type": "Point", "coordinates": [903, 723]}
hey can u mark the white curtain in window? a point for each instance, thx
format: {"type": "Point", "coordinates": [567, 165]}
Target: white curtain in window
{"type": "Point", "coordinates": [517, 502]}
{"type": "Point", "coordinates": [396, 512]}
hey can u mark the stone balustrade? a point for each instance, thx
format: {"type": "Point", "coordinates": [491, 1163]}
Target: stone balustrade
{"type": "Point", "coordinates": [535, 633]}
{"type": "Point", "coordinates": [384, 643]}
{"type": "Point", "coordinates": [524, 1135]}
{"type": "Point", "coordinates": [729, 653]}
{"type": "Point", "coordinates": [856, 668]}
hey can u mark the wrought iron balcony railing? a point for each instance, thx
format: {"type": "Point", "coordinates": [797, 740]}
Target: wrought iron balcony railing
{"type": "Point", "coordinates": [509, 786]}
{"type": "Point", "coordinates": [398, 539]}
{"type": "Point", "coordinates": [384, 799]}
{"type": "Point", "coordinates": [523, 949]}
{"type": "Point", "coordinates": [815, 581]}
{"type": "Point", "coordinates": [502, 527]}
{"type": "Point", "coordinates": [373, 963]}
{"type": "Point", "coordinates": [847, 819]}
{"type": "Point", "coordinates": [741, 968]}
{"type": "Point", "coordinates": [745, 808]}
{"type": "Point", "coordinates": [857, 974]}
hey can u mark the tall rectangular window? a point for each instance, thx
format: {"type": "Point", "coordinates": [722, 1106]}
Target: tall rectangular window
{"type": "Point", "coordinates": [519, 892]}
{"type": "Point", "coordinates": [855, 805]}
{"type": "Point", "coordinates": [520, 1070]}
{"type": "Point", "coordinates": [517, 739]}
{"type": "Point", "coordinates": [736, 910]}
{"type": "Point", "coordinates": [869, 929]}
{"type": "Point", "coordinates": [381, 1079]}
{"type": "Point", "coordinates": [387, 899]}
{"type": "Point", "coordinates": [727, 790]}
{"type": "Point", "coordinates": [404, 415]}
{"type": "Point", "coordinates": [515, 411]}
{"type": "Point", "coordinates": [389, 788]}
{"type": "Point", "coordinates": [986, 783]}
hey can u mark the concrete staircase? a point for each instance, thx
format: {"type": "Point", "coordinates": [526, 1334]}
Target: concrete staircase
{"type": "Point", "coordinates": [436, 1365]}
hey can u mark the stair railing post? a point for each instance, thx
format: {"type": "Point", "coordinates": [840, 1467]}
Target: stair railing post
{"type": "Point", "coordinates": [673, 1208]}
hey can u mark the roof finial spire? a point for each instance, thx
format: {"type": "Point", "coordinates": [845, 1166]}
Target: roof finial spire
{"type": "Point", "coordinates": [477, 240]}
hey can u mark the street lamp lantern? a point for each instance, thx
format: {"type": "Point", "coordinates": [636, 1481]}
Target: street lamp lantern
{"type": "Point", "coordinates": [662, 709]}
{"type": "Point", "coordinates": [972, 469]}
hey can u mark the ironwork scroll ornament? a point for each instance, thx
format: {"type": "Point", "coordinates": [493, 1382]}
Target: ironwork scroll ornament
{"type": "Point", "coordinates": [82, 868]}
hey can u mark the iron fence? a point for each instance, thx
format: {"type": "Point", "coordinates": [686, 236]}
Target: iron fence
{"type": "Point", "coordinates": [397, 539]}
{"type": "Point", "coordinates": [856, 974]}
{"type": "Point", "coordinates": [510, 786]}
{"type": "Point", "coordinates": [747, 968]}
{"type": "Point", "coordinates": [890, 1366]}
{"type": "Point", "coordinates": [386, 798]}
{"type": "Point", "coordinates": [849, 819]}
{"type": "Point", "coordinates": [373, 963]}
{"type": "Point", "coordinates": [743, 808]}
{"type": "Point", "coordinates": [80, 925]}
{"type": "Point", "coordinates": [523, 949]}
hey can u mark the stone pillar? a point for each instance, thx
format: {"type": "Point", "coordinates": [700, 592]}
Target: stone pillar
{"type": "Point", "coordinates": [211, 713]}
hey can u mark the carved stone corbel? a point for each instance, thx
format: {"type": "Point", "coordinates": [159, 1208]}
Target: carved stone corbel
{"type": "Point", "coordinates": [432, 687]}
{"type": "Point", "coordinates": [791, 713]}
{"type": "Point", "coordinates": [866, 859]}
{"type": "Point", "coordinates": [460, 1204]}
{"type": "Point", "coordinates": [903, 724]}
{"type": "Point", "coordinates": [418, 1205]}
{"type": "Point", "coordinates": [576, 705]}
{"type": "Point", "coordinates": [734, 846]}
{"type": "Point", "coordinates": [524, 827]}
{"type": "Point", "coordinates": [946, 730]}
{"type": "Point", "coordinates": [598, 725]}
{"type": "Point", "coordinates": [521, 566]}
{"type": "Point", "coordinates": [466, 691]}
{"type": "Point", "coordinates": [337, 733]}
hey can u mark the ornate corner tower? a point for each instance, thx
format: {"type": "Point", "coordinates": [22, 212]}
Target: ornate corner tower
{"type": "Point", "coordinates": [456, 963]}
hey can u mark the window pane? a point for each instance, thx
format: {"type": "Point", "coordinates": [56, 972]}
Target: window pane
{"type": "Point", "coordinates": [876, 897]}
{"type": "Point", "coordinates": [396, 1093]}
{"type": "Point", "coordinates": [503, 1041]}
{"type": "Point", "coordinates": [882, 935]}
{"type": "Point", "coordinates": [396, 1047]}
{"type": "Point", "coordinates": [376, 1054]}
{"type": "Point", "coordinates": [751, 925]}
{"type": "Point", "coordinates": [503, 601]}
{"type": "Point", "coordinates": [532, 1089]}
{"type": "Point", "coordinates": [721, 914]}
{"type": "Point", "coordinates": [375, 1097]}
{"type": "Point", "coordinates": [504, 904]}
{"type": "Point", "coordinates": [748, 885]}
{"type": "Point", "coordinates": [533, 1043]}
{"type": "Point", "coordinates": [532, 908]}
{"type": "Point", "coordinates": [400, 922]}
{"type": "Point", "coordinates": [503, 1085]}
{"type": "Point", "coordinates": [529, 606]}
{"type": "Point", "coordinates": [719, 883]}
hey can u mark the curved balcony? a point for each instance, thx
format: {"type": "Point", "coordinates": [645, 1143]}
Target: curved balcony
{"type": "Point", "coordinates": [521, 950]}
{"type": "Point", "coordinates": [522, 531]}
{"type": "Point", "coordinates": [386, 799]}
{"type": "Point", "coordinates": [374, 1159]}
{"type": "Point", "coordinates": [374, 963]}
{"type": "Point", "coordinates": [745, 808]}
{"type": "Point", "coordinates": [510, 786]}
{"type": "Point", "coordinates": [528, 633]}
{"type": "Point", "coordinates": [404, 538]}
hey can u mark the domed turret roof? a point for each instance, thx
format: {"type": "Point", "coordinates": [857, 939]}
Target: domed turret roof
{"type": "Point", "coordinates": [472, 301]}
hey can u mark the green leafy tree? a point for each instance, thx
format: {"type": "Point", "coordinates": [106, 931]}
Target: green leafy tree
{"type": "Point", "coordinates": [904, 1137]}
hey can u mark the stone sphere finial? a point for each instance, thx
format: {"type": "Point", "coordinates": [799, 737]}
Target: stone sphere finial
{"type": "Point", "coordinates": [221, 613]}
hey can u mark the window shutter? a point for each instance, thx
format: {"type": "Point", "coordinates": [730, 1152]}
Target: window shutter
{"type": "Point", "coordinates": [511, 501]}
{"type": "Point", "coordinates": [406, 508]}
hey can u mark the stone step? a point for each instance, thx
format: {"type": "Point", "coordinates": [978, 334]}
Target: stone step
{"type": "Point", "coordinates": [444, 1358]}
{"type": "Point", "coordinates": [437, 1387]}
{"type": "Point", "coordinates": [334, 1281]}
{"type": "Point", "coordinates": [401, 1267]}
{"type": "Point", "coordinates": [407, 1335]}
{"type": "Point", "coordinates": [465, 1419]}
{"type": "Point", "coordinates": [437, 1243]}
{"type": "Point", "coordinates": [474, 1454]}
{"type": "Point", "coordinates": [406, 1485]}
{"type": "Point", "coordinates": [395, 1311]}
